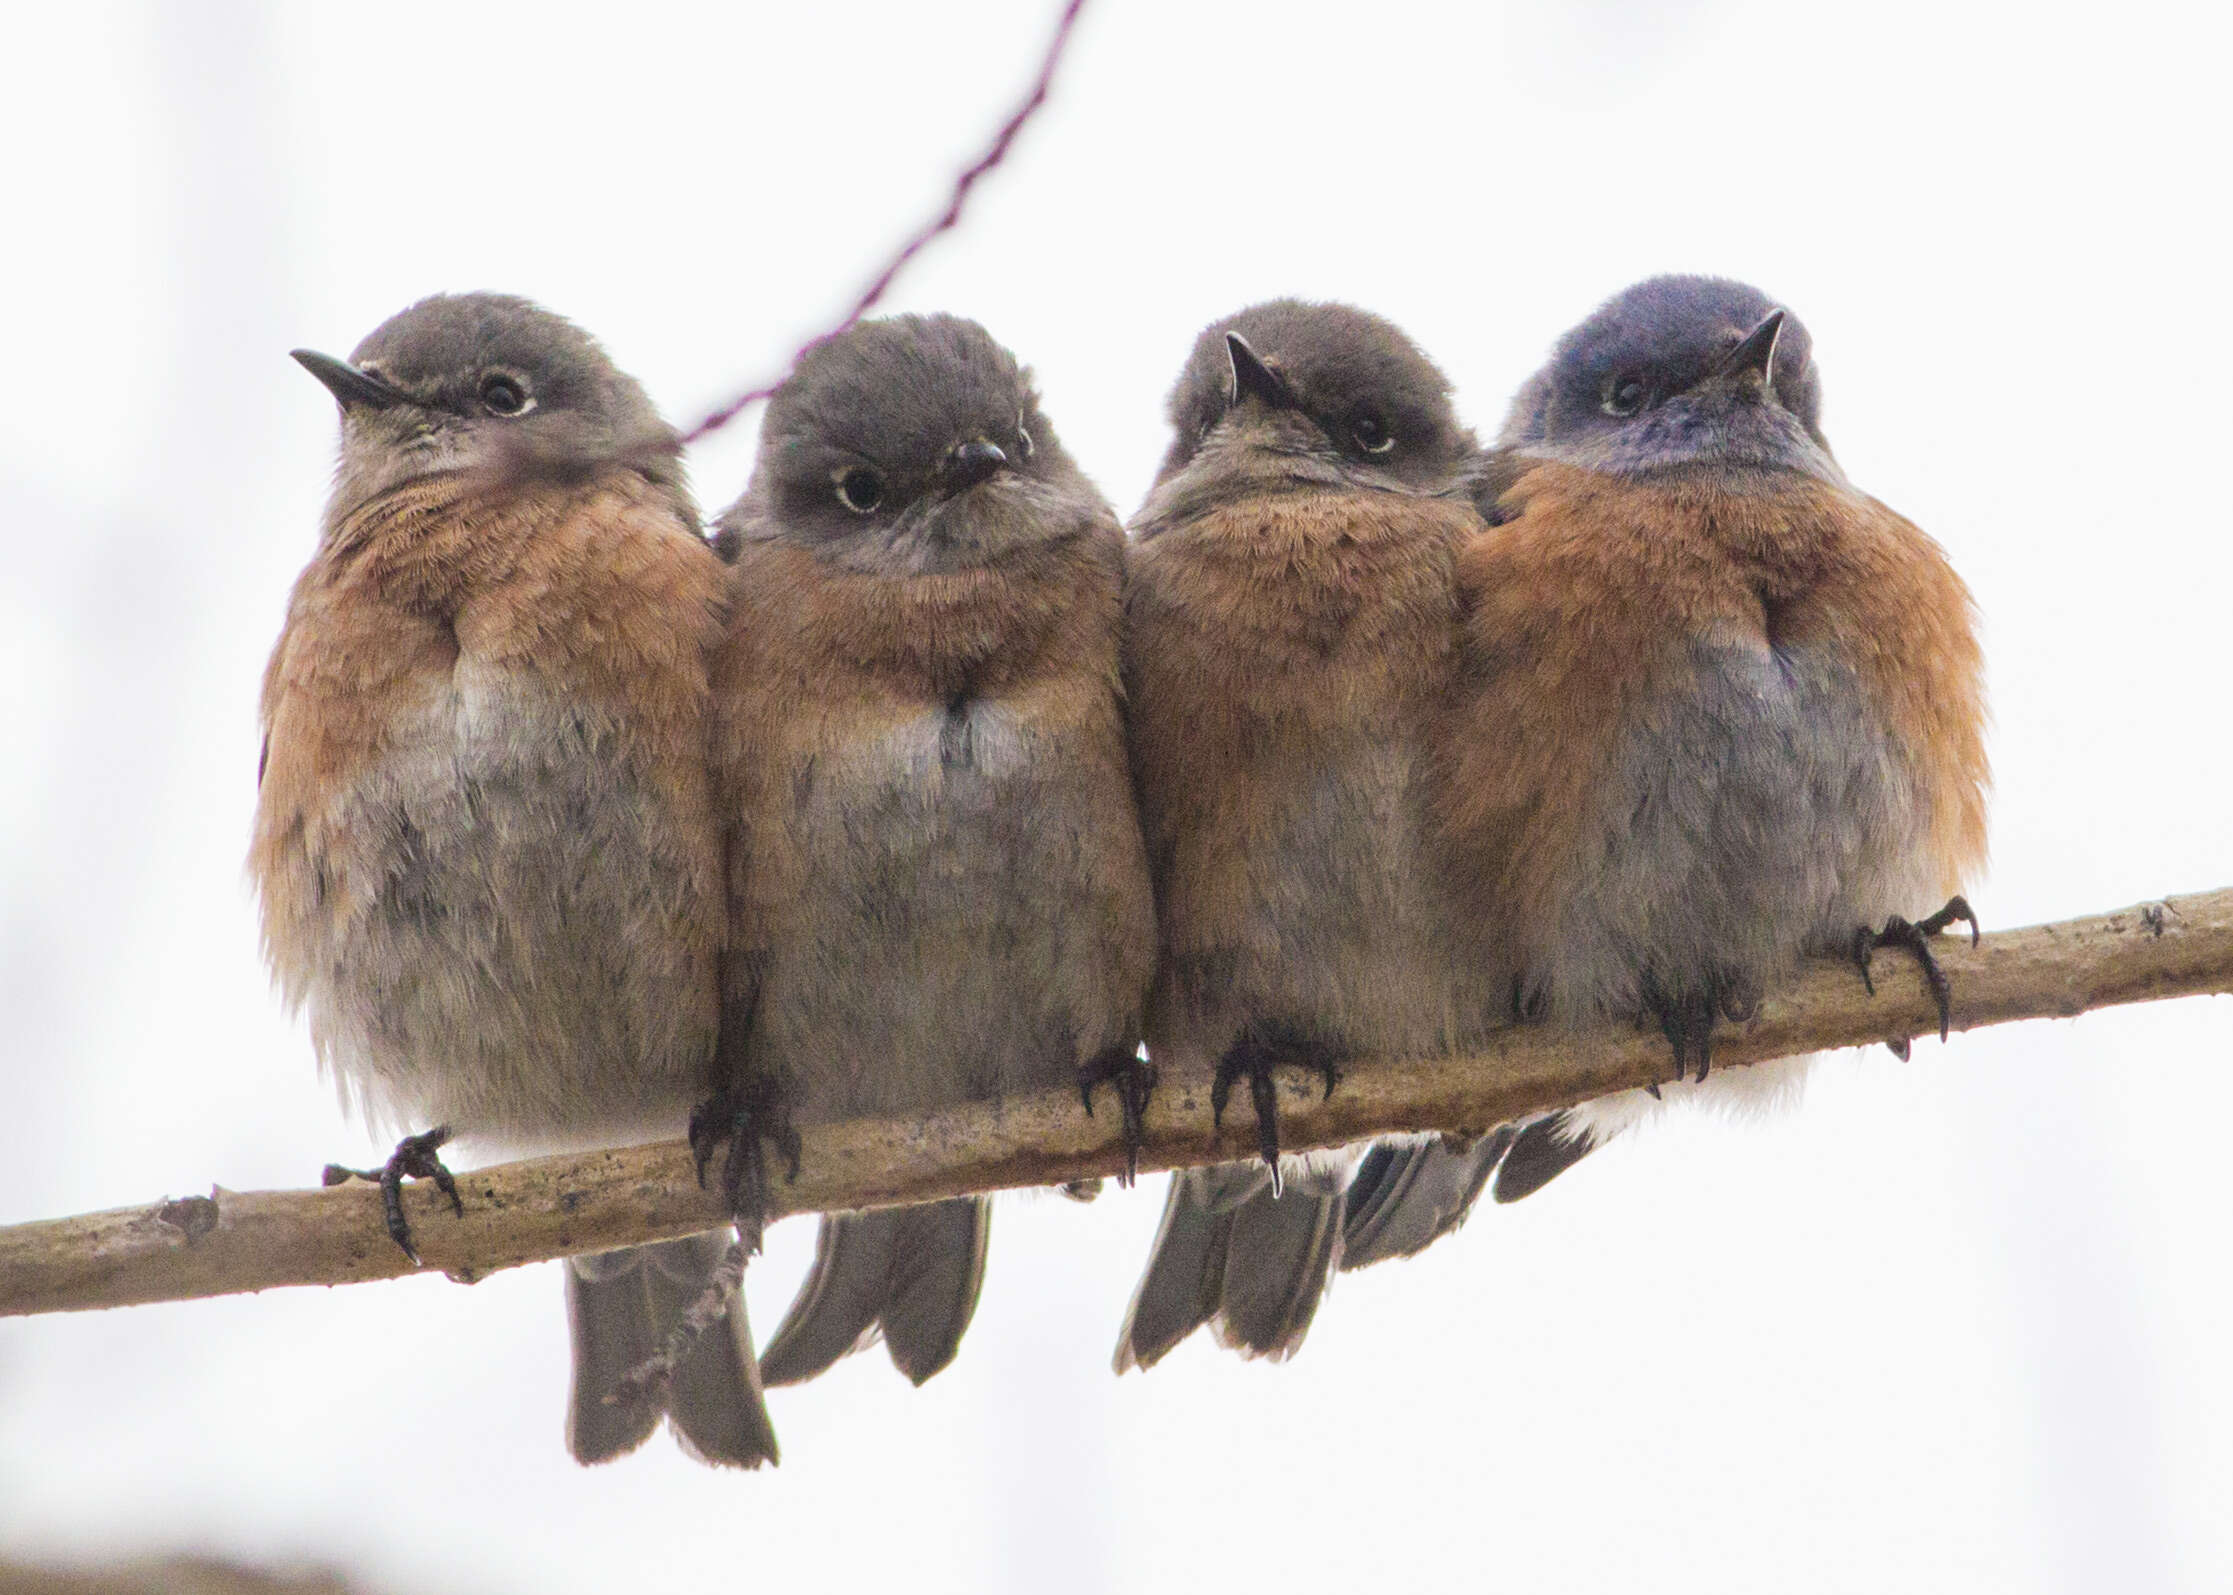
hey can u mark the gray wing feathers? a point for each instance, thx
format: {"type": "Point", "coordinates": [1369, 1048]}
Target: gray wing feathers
{"type": "Point", "coordinates": [621, 1306]}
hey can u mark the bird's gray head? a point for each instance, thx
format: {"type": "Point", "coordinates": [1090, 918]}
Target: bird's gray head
{"type": "Point", "coordinates": [1677, 371]}
{"type": "Point", "coordinates": [1294, 393]}
{"type": "Point", "coordinates": [909, 445]}
{"type": "Point", "coordinates": [485, 382]}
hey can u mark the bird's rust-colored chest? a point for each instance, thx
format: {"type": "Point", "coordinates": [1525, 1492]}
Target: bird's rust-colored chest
{"type": "Point", "coordinates": [439, 601]}
{"type": "Point", "coordinates": [1307, 576]}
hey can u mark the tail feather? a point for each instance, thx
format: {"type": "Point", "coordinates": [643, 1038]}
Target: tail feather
{"type": "Point", "coordinates": [938, 1270]}
{"type": "Point", "coordinates": [621, 1305]}
{"type": "Point", "coordinates": [1184, 1281]}
{"type": "Point", "coordinates": [608, 1310]}
{"type": "Point", "coordinates": [912, 1272]}
{"type": "Point", "coordinates": [1409, 1194]}
{"type": "Point", "coordinates": [834, 1313]}
{"type": "Point", "coordinates": [1283, 1253]}
{"type": "Point", "coordinates": [714, 1398]}
{"type": "Point", "coordinates": [1541, 1152]}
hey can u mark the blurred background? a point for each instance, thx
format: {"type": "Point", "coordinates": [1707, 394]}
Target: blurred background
{"type": "Point", "coordinates": [1956, 1324]}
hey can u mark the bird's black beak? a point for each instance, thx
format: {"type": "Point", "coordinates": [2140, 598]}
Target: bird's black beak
{"type": "Point", "coordinates": [346, 383]}
{"type": "Point", "coordinates": [1252, 377]}
{"type": "Point", "coordinates": [1756, 351]}
{"type": "Point", "coordinates": [971, 463]}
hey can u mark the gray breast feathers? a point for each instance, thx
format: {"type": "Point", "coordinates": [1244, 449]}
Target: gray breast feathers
{"type": "Point", "coordinates": [1756, 810]}
{"type": "Point", "coordinates": [534, 961]}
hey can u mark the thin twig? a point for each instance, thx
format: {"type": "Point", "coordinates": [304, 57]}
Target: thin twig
{"type": "Point", "coordinates": [874, 294]}
{"type": "Point", "coordinates": [517, 1213]}
{"type": "Point", "coordinates": [707, 1308]}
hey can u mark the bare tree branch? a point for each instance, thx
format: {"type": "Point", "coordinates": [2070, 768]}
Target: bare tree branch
{"type": "Point", "coordinates": [553, 1207]}
{"type": "Point", "coordinates": [873, 295]}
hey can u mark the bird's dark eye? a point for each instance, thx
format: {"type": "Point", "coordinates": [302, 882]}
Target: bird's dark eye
{"type": "Point", "coordinates": [1023, 442]}
{"type": "Point", "coordinates": [1625, 394]}
{"type": "Point", "coordinates": [502, 395]}
{"type": "Point", "coordinates": [1372, 434]}
{"type": "Point", "coordinates": [860, 489]}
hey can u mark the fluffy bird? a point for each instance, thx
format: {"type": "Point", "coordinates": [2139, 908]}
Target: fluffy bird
{"type": "Point", "coordinates": [485, 838]}
{"type": "Point", "coordinates": [1292, 630]}
{"type": "Point", "coordinates": [937, 879]}
{"type": "Point", "coordinates": [1721, 709]}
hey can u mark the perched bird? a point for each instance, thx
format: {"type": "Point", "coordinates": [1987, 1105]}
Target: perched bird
{"type": "Point", "coordinates": [1292, 630]}
{"type": "Point", "coordinates": [1720, 710]}
{"type": "Point", "coordinates": [937, 883]}
{"type": "Point", "coordinates": [485, 839]}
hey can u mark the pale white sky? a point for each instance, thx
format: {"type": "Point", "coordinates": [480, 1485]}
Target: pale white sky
{"type": "Point", "coordinates": [1957, 1324]}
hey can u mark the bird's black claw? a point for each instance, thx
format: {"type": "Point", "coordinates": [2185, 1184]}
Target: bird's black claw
{"type": "Point", "coordinates": [1255, 1058]}
{"type": "Point", "coordinates": [1686, 1018]}
{"type": "Point", "coordinates": [1688, 1031]}
{"type": "Point", "coordinates": [709, 1123]}
{"type": "Point", "coordinates": [416, 1157]}
{"type": "Point", "coordinates": [1133, 1079]}
{"type": "Point", "coordinates": [1915, 938]}
{"type": "Point", "coordinates": [1250, 1061]}
{"type": "Point", "coordinates": [1899, 1048]}
{"type": "Point", "coordinates": [1263, 1094]}
{"type": "Point", "coordinates": [749, 1122]}
{"type": "Point", "coordinates": [1864, 945]}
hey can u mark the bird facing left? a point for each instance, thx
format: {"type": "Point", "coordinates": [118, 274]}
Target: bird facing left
{"type": "Point", "coordinates": [485, 843]}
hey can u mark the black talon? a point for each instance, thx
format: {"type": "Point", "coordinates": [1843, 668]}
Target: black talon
{"type": "Point", "coordinates": [708, 1128]}
{"type": "Point", "coordinates": [1133, 1080]}
{"type": "Point", "coordinates": [1263, 1093]}
{"type": "Point", "coordinates": [1702, 1035]}
{"type": "Point", "coordinates": [1674, 1034]}
{"type": "Point", "coordinates": [1915, 937]}
{"type": "Point", "coordinates": [1243, 1060]}
{"type": "Point", "coordinates": [416, 1157]}
{"type": "Point", "coordinates": [1957, 908]}
{"type": "Point", "coordinates": [1864, 944]}
{"type": "Point", "coordinates": [750, 1123]}
{"type": "Point", "coordinates": [1255, 1057]}
{"type": "Point", "coordinates": [1687, 1022]}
